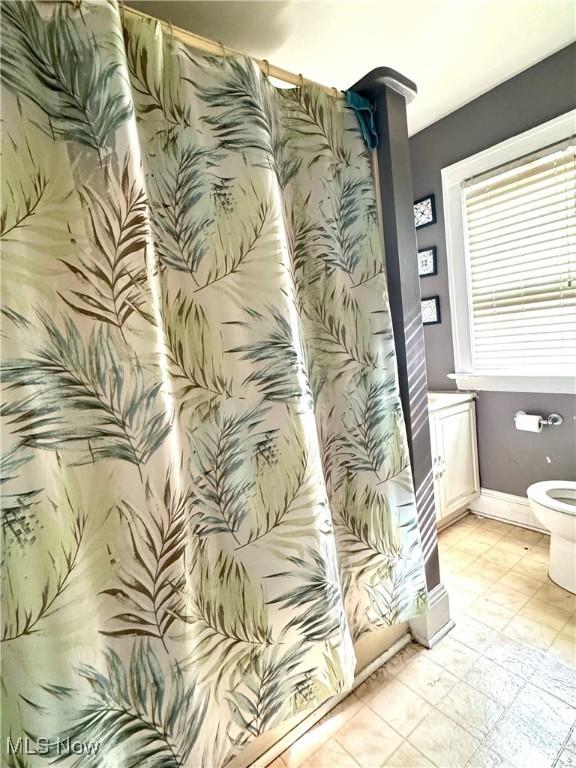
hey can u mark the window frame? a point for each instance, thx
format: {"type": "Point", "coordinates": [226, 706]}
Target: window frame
{"type": "Point", "coordinates": [552, 132]}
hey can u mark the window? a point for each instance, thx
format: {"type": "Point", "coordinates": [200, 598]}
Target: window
{"type": "Point", "coordinates": [520, 235]}
{"type": "Point", "coordinates": [511, 237]}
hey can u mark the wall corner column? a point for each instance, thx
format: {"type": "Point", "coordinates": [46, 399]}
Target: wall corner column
{"type": "Point", "coordinates": [389, 91]}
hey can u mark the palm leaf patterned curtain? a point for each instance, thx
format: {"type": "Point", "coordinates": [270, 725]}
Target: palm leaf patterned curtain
{"type": "Point", "coordinates": [206, 491]}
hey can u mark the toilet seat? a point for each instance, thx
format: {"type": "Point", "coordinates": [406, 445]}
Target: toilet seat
{"type": "Point", "coordinates": [540, 493]}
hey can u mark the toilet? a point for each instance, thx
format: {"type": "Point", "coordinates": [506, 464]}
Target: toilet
{"type": "Point", "coordinates": [554, 504]}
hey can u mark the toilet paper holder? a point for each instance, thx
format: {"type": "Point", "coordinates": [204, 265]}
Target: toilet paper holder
{"type": "Point", "coordinates": [552, 420]}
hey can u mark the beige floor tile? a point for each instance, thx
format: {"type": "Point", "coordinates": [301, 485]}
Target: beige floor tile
{"type": "Point", "coordinates": [492, 614]}
{"type": "Point", "coordinates": [460, 599]}
{"type": "Point", "coordinates": [533, 730]}
{"type": "Point", "coordinates": [443, 547]}
{"type": "Point", "coordinates": [368, 738]}
{"type": "Point", "coordinates": [453, 655]}
{"type": "Point", "coordinates": [472, 546]}
{"type": "Point", "coordinates": [554, 595]}
{"type": "Point", "coordinates": [458, 559]}
{"type": "Point", "coordinates": [570, 628]}
{"type": "Point", "coordinates": [447, 571]}
{"type": "Point", "coordinates": [322, 732]}
{"type": "Point", "coordinates": [567, 757]}
{"type": "Point", "coordinates": [406, 756]}
{"type": "Point", "coordinates": [491, 540]}
{"type": "Point", "coordinates": [545, 613]}
{"type": "Point", "coordinates": [342, 712]}
{"type": "Point", "coordinates": [494, 681]}
{"type": "Point", "coordinates": [538, 555]}
{"type": "Point", "coordinates": [520, 582]}
{"type": "Point", "coordinates": [451, 535]}
{"type": "Point", "coordinates": [507, 597]}
{"type": "Point", "coordinates": [456, 532]}
{"type": "Point", "coordinates": [538, 552]}
{"type": "Point", "coordinates": [497, 525]}
{"type": "Point", "coordinates": [401, 659]}
{"type": "Point", "coordinates": [532, 633]}
{"type": "Point", "coordinates": [444, 556]}
{"type": "Point", "coordinates": [523, 534]}
{"type": "Point", "coordinates": [486, 758]}
{"type": "Point", "coordinates": [490, 524]}
{"type": "Point", "coordinates": [300, 750]}
{"type": "Point", "coordinates": [464, 522]}
{"type": "Point", "coordinates": [476, 584]}
{"type": "Point", "coordinates": [519, 744]}
{"type": "Point", "coordinates": [564, 648]}
{"type": "Point", "coordinates": [502, 557]}
{"type": "Point", "coordinates": [374, 684]}
{"type": "Point", "coordinates": [471, 521]}
{"type": "Point", "coordinates": [515, 657]}
{"type": "Point", "coordinates": [473, 710]}
{"type": "Point", "coordinates": [533, 570]}
{"type": "Point", "coordinates": [400, 707]}
{"type": "Point", "coordinates": [428, 679]}
{"type": "Point", "coordinates": [472, 633]}
{"type": "Point", "coordinates": [442, 741]}
{"type": "Point", "coordinates": [278, 763]}
{"type": "Point", "coordinates": [487, 568]}
{"type": "Point", "coordinates": [331, 755]}
{"type": "Point", "coordinates": [518, 548]}
{"type": "Point", "coordinates": [542, 542]}
{"type": "Point", "coordinates": [492, 694]}
{"type": "Point", "coordinates": [556, 678]}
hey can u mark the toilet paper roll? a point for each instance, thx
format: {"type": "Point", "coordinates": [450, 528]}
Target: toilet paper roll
{"type": "Point", "coordinates": [527, 422]}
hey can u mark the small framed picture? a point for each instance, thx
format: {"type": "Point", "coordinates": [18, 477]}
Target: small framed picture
{"type": "Point", "coordinates": [424, 211]}
{"type": "Point", "coordinates": [427, 263]}
{"type": "Point", "coordinates": [430, 310]}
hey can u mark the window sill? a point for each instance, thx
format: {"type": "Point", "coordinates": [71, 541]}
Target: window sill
{"type": "Point", "coordinates": [511, 383]}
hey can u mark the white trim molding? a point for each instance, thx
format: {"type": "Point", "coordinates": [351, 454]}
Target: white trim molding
{"type": "Point", "coordinates": [506, 507]}
{"type": "Point", "coordinates": [453, 176]}
{"type": "Point", "coordinates": [502, 383]}
{"type": "Point", "coordinates": [431, 626]}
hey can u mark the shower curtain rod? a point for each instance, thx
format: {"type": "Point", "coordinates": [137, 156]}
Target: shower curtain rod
{"type": "Point", "coordinates": [213, 47]}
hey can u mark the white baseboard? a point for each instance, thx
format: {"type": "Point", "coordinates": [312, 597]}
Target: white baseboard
{"type": "Point", "coordinates": [506, 507]}
{"type": "Point", "coordinates": [448, 520]}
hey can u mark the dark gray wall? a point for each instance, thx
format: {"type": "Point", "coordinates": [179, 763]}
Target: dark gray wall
{"type": "Point", "coordinates": [509, 460]}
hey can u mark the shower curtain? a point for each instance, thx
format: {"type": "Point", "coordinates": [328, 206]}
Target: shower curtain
{"type": "Point", "coordinates": [206, 490]}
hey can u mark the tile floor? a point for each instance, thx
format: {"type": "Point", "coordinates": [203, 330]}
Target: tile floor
{"type": "Point", "coordinates": [499, 691]}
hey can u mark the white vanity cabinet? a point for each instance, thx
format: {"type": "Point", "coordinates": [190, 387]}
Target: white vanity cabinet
{"type": "Point", "coordinates": [454, 452]}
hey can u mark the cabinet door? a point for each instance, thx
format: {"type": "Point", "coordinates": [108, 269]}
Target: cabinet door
{"type": "Point", "coordinates": [459, 482]}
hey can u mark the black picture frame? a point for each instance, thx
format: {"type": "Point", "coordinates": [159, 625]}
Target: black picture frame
{"type": "Point", "coordinates": [419, 202]}
{"type": "Point", "coordinates": [434, 271]}
{"type": "Point", "coordinates": [438, 318]}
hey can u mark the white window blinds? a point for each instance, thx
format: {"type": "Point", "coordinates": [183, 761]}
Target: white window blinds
{"type": "Point", "coordinates": [520, 235]}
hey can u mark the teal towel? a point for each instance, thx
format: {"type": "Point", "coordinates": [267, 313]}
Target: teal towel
{"type": "Point", "coordinates": [364, 110]}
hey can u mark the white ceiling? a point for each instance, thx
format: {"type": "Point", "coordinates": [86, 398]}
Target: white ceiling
{"type": "Point", "coordinates": [454, 50]}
